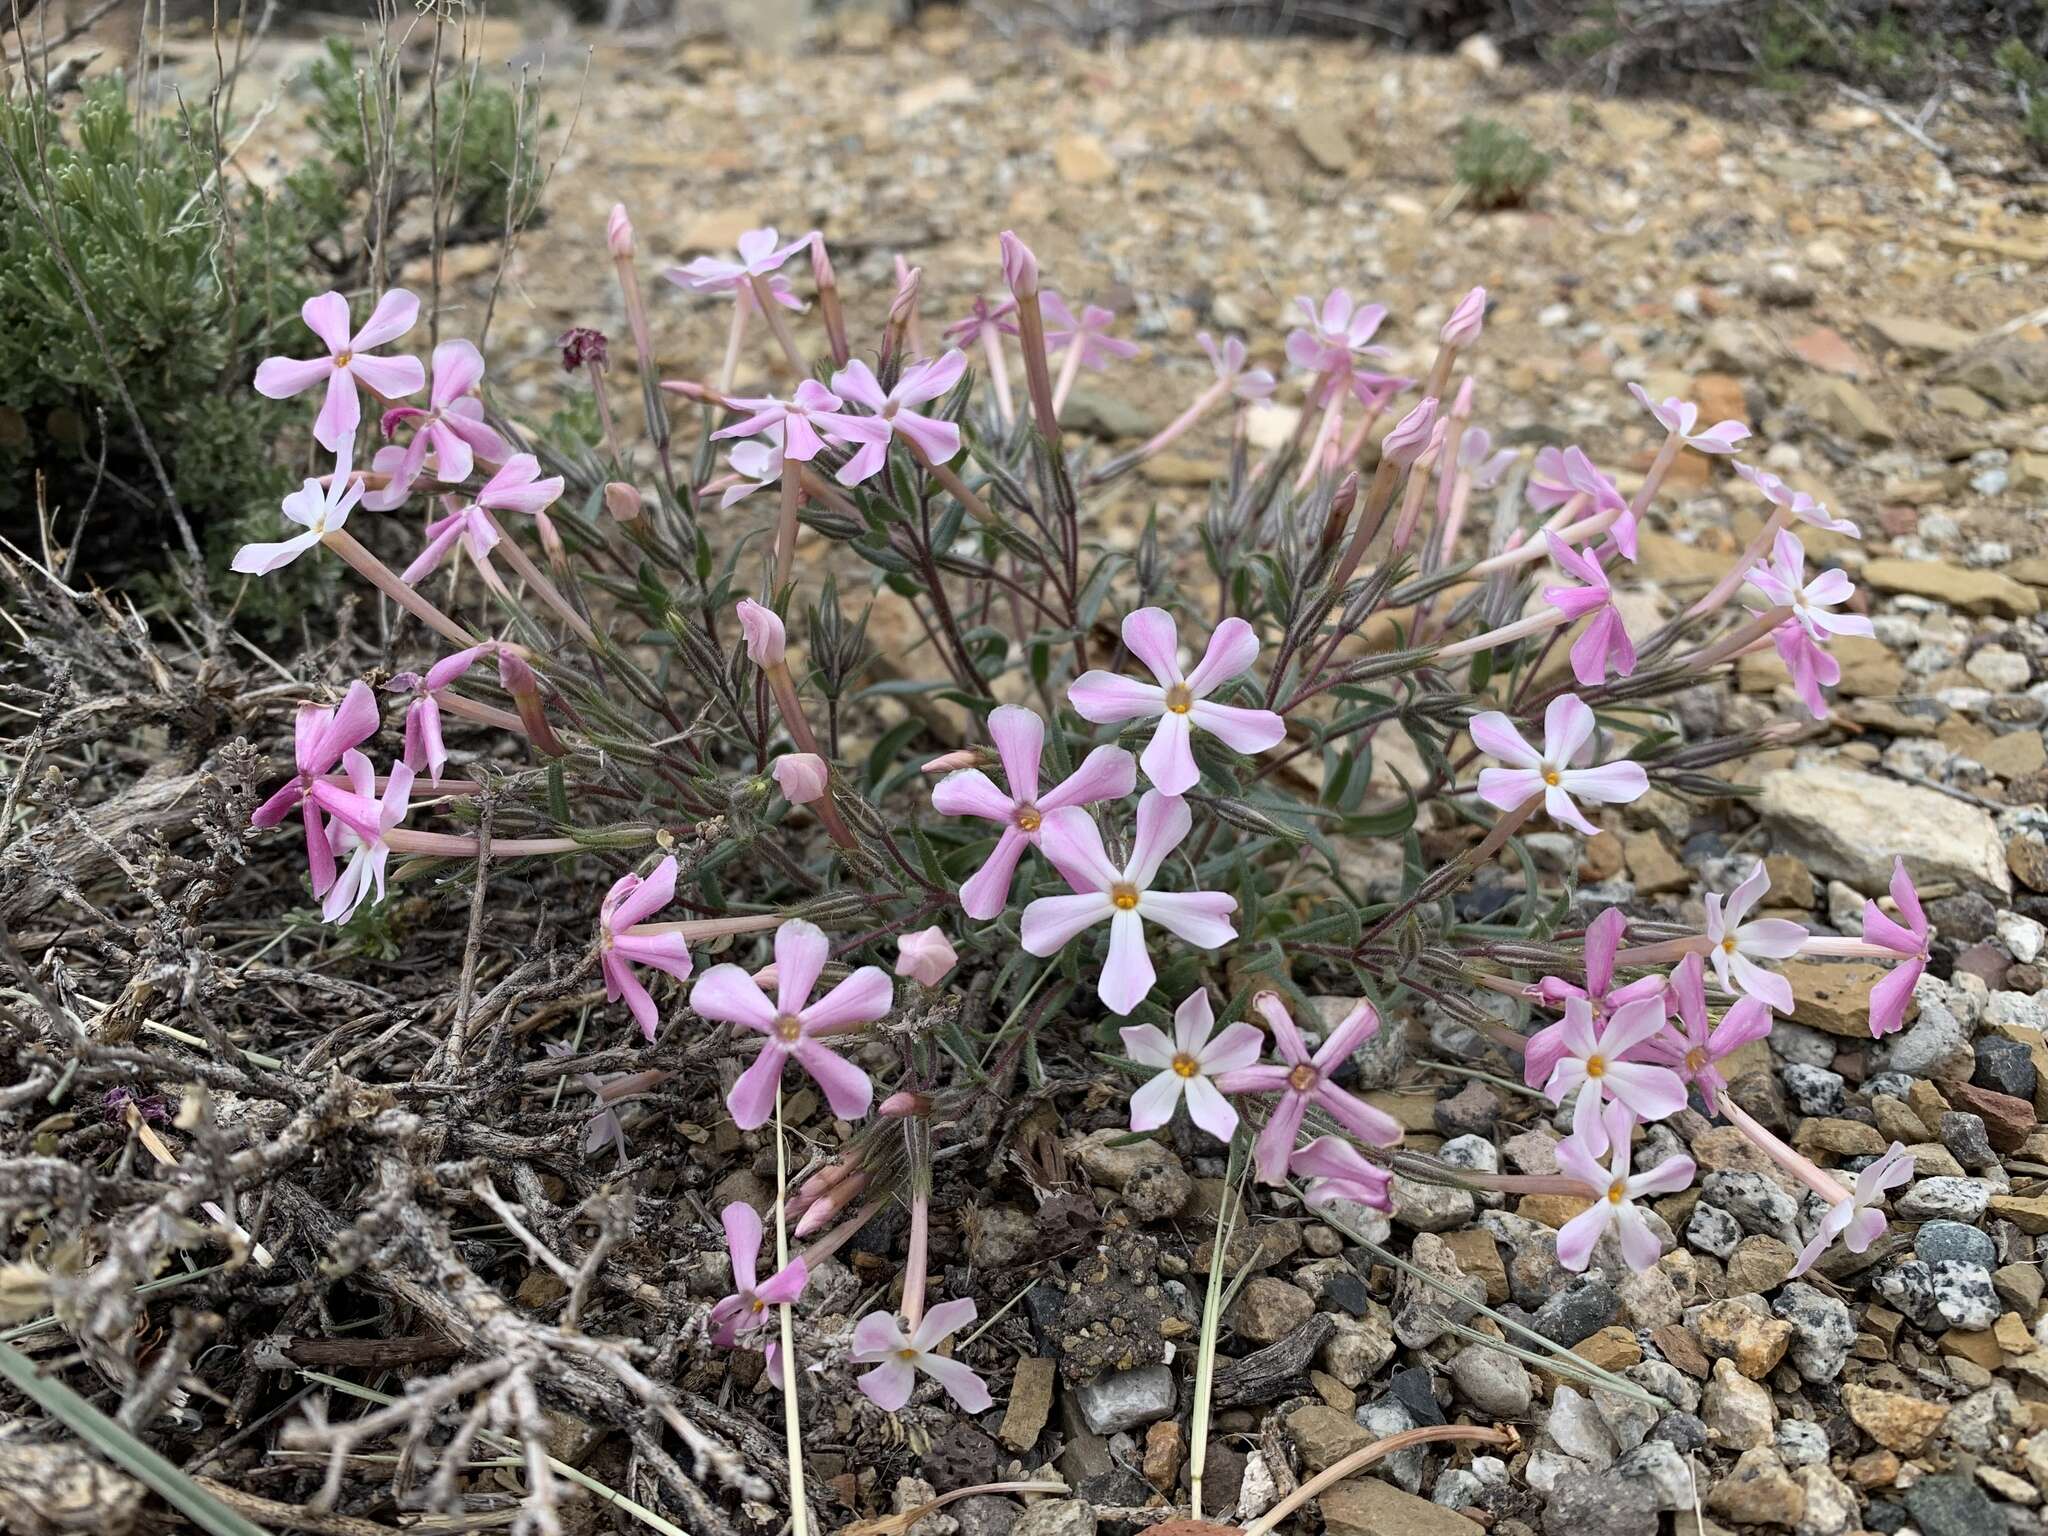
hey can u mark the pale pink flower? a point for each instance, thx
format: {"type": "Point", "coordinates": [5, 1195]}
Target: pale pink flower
{"type": "Point", "coordinates": [801, 776]}
{"type": "Point", "coordinates": [1567, 730]}
{"type": "Point", "coordinates": [319, 509]}
{"type": "Point", "coordinates": [1857, 1221]}
{"type": "Point", "coordinates": [1784, 583]}
{"type": "Point", "coordinates": [1186, 1064]}
{"type": "Point", "coordinates": [1736, 946]}
{"type": "Point", "coordinates": [1336, 1170]}
{"type": "Point", "coordinates": [793, 1028]}
{"type": "Point", "coordinates": [1559, 475]}
{"type": "Point", "coordinates": [937, 439]}
{"type": "Point", "coordinates": [1596, 1062]}
{"type": "Point", "coordinates": [349, 361]}
{"type": "Point", "coordinates": [467, 523]}
{"type": "Point", "coordinates": [451, 428]}
{"type": "Point", "coordinates": [1808, 664]}
{"type": "Point", "coordinates": [1890, 998]}
{"type": "Point", "coordinates": [1228, 359]}
{"type": "Point", "coordinates": [1695, 1049]}
{"type": "Point", "coordinates": [926, 956]}
{"type": "Point", "coordinates": [757, 463]}
{"type": "Point", "coordinates": [516, 487]}
{"type": "Point", "coordinates": [1108, 773]}
{"type": "Point", "coordinates": [1124, 897]}
{"type": "Point", "coordinates": [1179, 701]}
{"type": "Point", "coordinates": [319, 738]}
{"type": "Point", "coordinates": [1603, 941]}
{"type": "Point", "coordinates": [633, 900]}
{"type": "Point", "coordinates": [423, 744]}
{"type": "Point", "coordinates": [760, 256]}
{"type": "Point", "coordinates": [981, 319]}
{"type": "Point", "coordinates": [1682, 417]}
{"type": "Point", "coordinates": [1798, 503]}
{"type": "Point", "coordinates": [810, 406]}
{"type": "Point", "coordinates": [1604, 642]}
{"type": "Point", "coordinates": [1301, 1080]}
{"type": "Point", "coordinates": [751, 1306]}
{"type": "Point", "coordinates": [368, 856]}
{"type": "Point", "coordinates": [1337, 332]}
{"type": "Point", "coordinates": [1466, 321]}
{"type": "Point", "coordinates": [767, 644]}
{"type": "Point", "coordinates": [1615, 1190]}
{"type": "Point", "coordinates": [1089, 330]}
{"type": "Point", "coordinates": [1477, 458]}
{"type": "Point", "coordinates": [879, 1341]}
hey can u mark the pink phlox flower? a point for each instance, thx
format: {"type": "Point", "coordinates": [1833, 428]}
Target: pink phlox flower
{"type": "Point", "coordinates": [1734, 946]}
{"type": "Point", "coordinates": [1784, 583]}
{"type": "Point", "coordinates": [1089, 330]}
{"type": "Point", "coordinates": [1179, 701]}
{"type": "Point", "coordinates": [1603, 941]}
{"type": "Point", "coordinates": [1682, 417]}
{"type": "Point", "coordinates": [349, 361]}
{"type": "Point", "coordinates": [1696, 1047]}
{"type": "Point", "coordinates": [1890, 998]}
{"type": "Point", "coordinates": [451, 428]}
{"type": "Point", "coordinates": [1604, 642]}
{"type": "Point", "coordinates": [1560, 474]}
{"type": "Point", "coordinates": [1187, 1064]}
{"type": "Point", "coordinates": [1228, 359]}
{"type": "Point", "coordinates": [1601, 1059]}
{"type": "Point", "coordinates": [935, 437]}
{"type": "Point", "coordinates": [319, 509]}
{"type": "Point", "coordinates": [981, 318]}
{"type": "Point", "coordinates": [1798, 503]}
{"type": "Point", "coordinates": [798, 419]}
{"type": "Point", "coordinates": [1124, 897]}
{"type": "Point", "coordinates": [1301, 1080]}
{"type": "Point", "coordinates": [1336, 1170]}
{"type": "Point", "coordinates": [1567, 730]}
{"type": "Point", "coordinates": [368, 856]}
{"type": "Point", "coordinates": [1615, 1190]}
{"type": "Point", "coordinates": [792, 1027]}
{"type": "Point", "coordinates": [465, 522]}
{"type": "Point", "coordinates": [319, 738]}
{"type": "Point", "coordinates": [879, 1341]}
{"type": "Point", "coordinates": [423, 745]}
{"type": "Point", "coordinates": [633, 900]}
{"type": "Point", "coordinates": [1477, 459]}
{"type": "Point", "coordinates": [760, 256]}
{"type": "Point", "coordinates": [1337, 333]}
{"type": "Point", "coordinates": [1108, 773]}
{"type": "Point", "coordinates": [1808, 663]}
{"type": "Point", "coordinates": [751, 1306]}
{"type": "Point", "coordinates": [1857, 1221]}
{"type": "Point", "coordinates": [516, 487]}
{"type": "Point", "coordinates": [758, 464]}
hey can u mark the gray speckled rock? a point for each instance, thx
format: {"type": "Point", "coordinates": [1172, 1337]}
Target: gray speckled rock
{"type": "Point", "coordinates": [1712, 1231]}
{"type": "Point", "coordinates": [1955, 1241]}
{"type": "Point", "coordinates": [1814, 1090]}
{"type": "Point", "coordinates": [1945, 1199]}
{"type": "Point", "coordinates": [1801, 1443]}
{"type": "Point", "coordinates": [1963, 1295]}
{"type": "Point", "coordinates": [1908, 1288]}
{"type": "Point", "coordinates": [1822, 1330]}
{"type": "Point", "coordinates": [1577, 1312]}
{"type": "Point", "coordinates": [1756, 1203]}
{"type": "Point", "coordinates": [1937, 1044]}
{"type": "Point", "coordinates": [1492, 1382]}
{"type": "Point", "coordinates": [1657, 1466]}
{"type": "Point", "coordinates": [1387, 1417]}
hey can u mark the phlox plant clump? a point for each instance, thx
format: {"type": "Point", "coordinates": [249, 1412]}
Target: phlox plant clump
{"type": "Point", "coordinates": [1140, 767]}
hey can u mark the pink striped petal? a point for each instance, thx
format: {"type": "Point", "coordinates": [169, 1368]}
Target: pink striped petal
{"type": "Point", "coordinates": [847, 1089]}
{"type": "Point", "coordinates": [1233, 648]}
{"type": "Point", "coordinates": [1069, 838]}
{"type": "Point", "coordinates": [1495, 735]}
{"type": "Point", "coordinates": [1169, 757]}
{"type": "Point", "coordinates": [1104, 698]}
{"type": "Point", "coordinates": [1151, 636]}
{"type": "Point", "coordinates": [801, 950]}
{"type": "Point", "coordinates": [987, 892]}
{"type": "Point", "coordinates": [1019, 736]}
{"type": "Point", "coordinates": [1127, 973]}
{"type": "Point", "coordinates": [862, 998]}
{"type": "Point", "coordinates": [728, 995]}
{"type": "Point", "coordinates": [1107, 773]}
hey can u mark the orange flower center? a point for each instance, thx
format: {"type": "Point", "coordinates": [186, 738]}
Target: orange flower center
{"type": "Point", "coordinates": [1303, 1078]}
{"type": "Point", "coordinates": [789, 1028]}
{"type": "Point", "coordinates": [1596, 1066]}
{"type": "Point", "coordinates": [1550, 777]}
{"type": "Point", "coordinates": [342, 359]}
{"type": "Point", "coordinates": [1124, 896]}
{"type": "Point", "coordinates": [1696, 1060]}
{"type": "Point", "coordinates": [1617, 1192]}
{"type": "Point", "coordinates": [906, 1354]}
{"type": "Point", "coordinates": [1180, 698]}
{"type": "Point", "coordinates": [1028, 818]}
{"type": "Point", "coordinates": [1728, 945]}
{"type": "Point", "coordinates": [1185, 1065]}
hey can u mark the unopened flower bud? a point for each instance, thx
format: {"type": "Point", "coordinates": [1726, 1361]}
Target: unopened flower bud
{"type": "Point", "coordinates": [950, 762]}
{"type": "Point", "coordinates": [925, 956]}
{"type": "Point", "coordinates": [904, 304]}
{"type": "Point", "coordinates": [801, 776]}
{"type": "Point", "coordinates": [826, 1210]}
{"type": "Point", "coordinates": [904, 1105]}
{"type": "Point", "coordinates": [1466, 321]}
{"type": "Point", "coordinates": [821, 264]}
{"type": "Point", "coordinates": [766, 642]}
{"type": "Point", "coordinates": [621, 500]}
{"type": "Point", "coordinates": [618, 232]}
{"type": "Point", "coordinates": [1411, 434]}
{"type": "Point", "coordinates": [1462, 406]}
{"type": "Point", "coordinates": [1020, 267]}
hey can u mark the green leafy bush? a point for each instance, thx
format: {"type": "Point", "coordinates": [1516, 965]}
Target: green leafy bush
{"type": "Point", "coordinates": [1498, 163]}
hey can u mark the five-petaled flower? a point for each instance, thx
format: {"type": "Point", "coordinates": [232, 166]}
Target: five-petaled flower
{"type": "Point", "coordinates": [1228, 359]}
{"type": "Point", "coordinates": [1809, 664]}
{"type": "Point", "coordinates": [750, 1307]}
{"type": "Point", "coordinates": [1558, 475]}
{"type": "Point", "coordinates": [1567, 728]}
{"type": "Point", "coordinates": [760, 256]}
{"type": "Point", "coordinates": [792, 1027]}
{"type": "Point", "coordinates": [1615, 1190]}
{"type": "Point", "coordinates": [1089, 331]}
{"type": "Point", "coordinates": [368, 856]}
{"type": "Point", "coordinates": [934, 437]}
{"type": "Point", "coordinates": [633, 900]}
{"type": "Point", "coordinates": [1857, 1221]}
{"type": "Point", "coordinates": [349, 361]}
{"type": "Point", "coordinates": [1337, 333]}
{"type": "Point", "coordinates": [1734, 946]}
{"type": "Point", "coordinates": [319, 509]}
{"type": "Point", "coordinates": [1798, 503]}
{"type": "Point", "coordinates": [1301, 1080]}
{"type": "Point", "coordinates": [319, 738]}
{"type": "Point", "coordinates": [981, 320]}
{"type": "Point", "coordinates": [1682, 417]}
{"type": "Point", "coordinates": [1784, 583]}
{"type": "Point", "coordinates": [516, 487]}
{"type": "Point", "coordinates": [879, 1341]}
{"type": "Point", "coordinates": [1336, 1170]}
{"type": "Point", "coordinates": [1695, 1048]}
{"type": "Point", "coordinates": [798, 419]}
{"type": "Point", "coordinates": [1108, 773]}
{"type": "Point", "coordinates": [1178, 700]}
{"type": "Point", "coordinates": [1604, 642]}
{"type": "Point", "coordinates": [423, 744]}
{"type": "Point", "coordinates": [1603, 941]}
{"type": "Point", "coordinates": [1070, 839]}
{"type": "Point", "coordinates": [452, 428]}
{"type": "Point", "coordinates": [1186, 1064]}
{"type": "Point", "coordinates": [1596, 1062]}
{"type": "Point", "coordinates": [1890, 998]}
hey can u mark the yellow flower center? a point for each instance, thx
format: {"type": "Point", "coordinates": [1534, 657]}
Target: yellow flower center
{"type": "Point", "coordinates": [1616, 1192]}
{"type": "Point", "coordinates": [1185, 1065]}
{"type": "Point", "coordinates": [1123, 896]}
{"type": "Point", "coordinates": [760, 1305]}
{"type": "Point", "coordinates": [1180, 698]}
{"type": "Point", "coordinates": [1596, 1066]}
{"type": "Point", "coordinates": [906, 1354]}
{"type": "Point", "coordinates": [1028, 818]}
{"type": "Point", "coordinates": [1728, 945]}
{"type": "Point", "coordinates": [1303, 1078]}
{"type": "Point", "coordinates": [789, 1028]}
{"type": "Point", "coordinates": [342, 359]}
{"type": "Point", "coordinates": [1696, 1060]}
{"type": "Point", "coordinates": [1550, 777]}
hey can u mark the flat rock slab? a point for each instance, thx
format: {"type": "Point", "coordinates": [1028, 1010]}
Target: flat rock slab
{"type": "Point", "coordinates": [1848, 825]}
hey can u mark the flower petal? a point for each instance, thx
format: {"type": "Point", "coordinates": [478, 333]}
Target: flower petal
{"type": "Point", "coordinates": [1248, 731]}
{"type": "Point", "coordinates": [752, 1099]}
{"type": "Point", "coordinates": [1233, 648]}
{"type": "Point", "coordinates": [1494, 734]}
{"type": "Point", "coordinates": [1019, 736]}
{"type": "Point", "coordinates": [1127, 973]}
{"type": "Point", "coordinates": [987, 891]}
{"type": "Point", "coordinates": [279, 378]}
{"type": "Point", "coordinates": [326, 316]}
{"type": "Point", "coordinates": [1107, 773]}
{"type": "Point", "coordinates": [392, 378]}
{"type": "Point", "coordinates": [1105, 698]}
{"type": "Point", "coordinates": [395, 314]}
{"type": "Point", "coordinates": [1210, 1110]}
{"type": "Point", "coordinates": [1153, 1104]}
{"type": "Point", "coordinates": [743, 1231]}
{"type": "Point", "coordinates": [1050, 922]}
{"type": "Point", "coordinates": [970, 792]}
{"type": "Point", "coordinates": [1168, 758]}
{"type": "Point", "coordinates": [801, 950]}
{"type": "Point", "coordinates": [1151, 636]}
{"type": "Point", "coordinates": [1163, 824]}
{"type": "Point", "coordinates": [865, 996]}
{"type": "Point", "coordinates": [847, 1088]}
{"type": "Point", "coordinates": [728, 995]}
{"type": "Point", "coordinates": [1071, 840]}
{"type": "Point", "coordinates": [1200, 918]}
